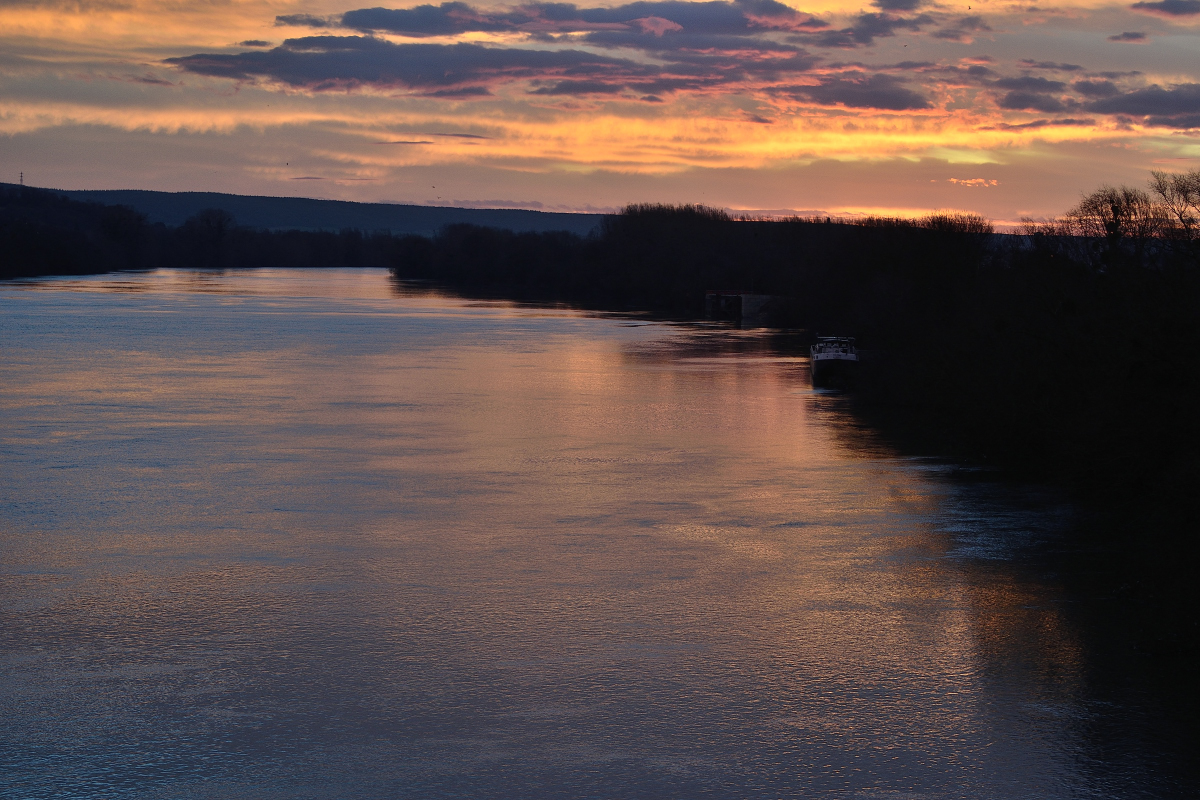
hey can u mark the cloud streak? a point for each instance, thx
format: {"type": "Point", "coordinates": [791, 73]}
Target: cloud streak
{"type": "Point", "coordinates": [865, 30]}
{"type": "Point", "coordinates": [739, 17]}
{"type": "Point", "coordinates": [323, 63]}
{"type": "Point", "coordinates": [883, 92]}
{"type": "Point", "coordinates": [1170, 8]}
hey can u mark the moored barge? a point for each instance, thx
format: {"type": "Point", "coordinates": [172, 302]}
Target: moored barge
{"type": "Point", "coordinates": [834, 361]}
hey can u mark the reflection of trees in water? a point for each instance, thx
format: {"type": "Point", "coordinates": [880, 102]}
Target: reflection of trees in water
{"type": "Point", "coordinates": [1014, 564]}
{"type": "Point", "coordinates": [1049, 609]}
{"type": "Point", "coordinates": [1048, 618]}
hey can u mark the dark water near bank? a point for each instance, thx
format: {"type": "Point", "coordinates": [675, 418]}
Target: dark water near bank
{"type": "Point", "coordinates": [311, 534]}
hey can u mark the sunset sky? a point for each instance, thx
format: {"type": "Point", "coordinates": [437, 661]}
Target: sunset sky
{"type": "Point", "coordinates": [898, 107]}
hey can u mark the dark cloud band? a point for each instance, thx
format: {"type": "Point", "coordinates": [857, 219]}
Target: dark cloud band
{"type": "Point", "coordinates": [468, 70]}
{"type": "Point", "coordinates": [884, 92]}
{"type": "Point", "coordinates": [320, 62]}
{"type": "Point", "coordinates": [738, 17]}
{"type": "Point", "coordinates": [1170, 8]}
{"type": "Point", "coordinates": [1176, 107]}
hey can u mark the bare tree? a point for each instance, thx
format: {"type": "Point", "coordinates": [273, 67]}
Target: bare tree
{"type": "Point", "coordinates": [1119, 213]}
{"type": "Point", "coordinates": [1127, 220]}
{"type": "Point", "coordinates": [1120, 224]}
{"type": "Point", "coordinates": [1179, 194]}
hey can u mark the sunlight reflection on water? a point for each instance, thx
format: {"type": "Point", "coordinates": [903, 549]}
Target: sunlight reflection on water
{"type": "Point", "coordinates": [313, 534]}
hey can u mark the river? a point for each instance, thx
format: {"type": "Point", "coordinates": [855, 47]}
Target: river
{"type": "Point", "coordinates": [320, 534]}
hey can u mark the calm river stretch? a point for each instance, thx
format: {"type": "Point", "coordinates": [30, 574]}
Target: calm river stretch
{"type": "Point", "coordinates": [319, 534]}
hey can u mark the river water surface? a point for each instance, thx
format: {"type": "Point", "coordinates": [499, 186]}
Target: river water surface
{"type": "Point", "coordinates": [317, 534]}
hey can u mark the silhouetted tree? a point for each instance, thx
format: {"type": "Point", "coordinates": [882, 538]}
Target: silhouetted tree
{"type": "Point", "coordinates": [957, 222]}
{"type": "Point", "coordinates": [1126, 219]}
{"type": "Point", "coordinates": [206, 235]}
{"type": "Point", "coordinates": [1179, 194]}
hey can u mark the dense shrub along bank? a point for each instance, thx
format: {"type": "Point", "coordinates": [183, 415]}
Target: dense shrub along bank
{"type": "Point", "coordinates": [1068, 356]}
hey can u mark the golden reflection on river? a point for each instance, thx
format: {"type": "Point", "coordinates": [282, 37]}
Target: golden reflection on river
{"type": "Point", "coordinates": [314, 534]}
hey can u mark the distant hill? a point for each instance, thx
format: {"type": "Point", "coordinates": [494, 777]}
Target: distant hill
{"type": "Point", "coordinates": [301, 213]}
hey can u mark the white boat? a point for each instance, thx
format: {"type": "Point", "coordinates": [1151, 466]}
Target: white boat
{"type": "Point", "coordinates": [834, 361]}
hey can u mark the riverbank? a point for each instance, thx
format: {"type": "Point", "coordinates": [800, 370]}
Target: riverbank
{"type": "Point", "coordinates": [996, 349]}
{"type": "Point", "coordinates": [1026, 353]}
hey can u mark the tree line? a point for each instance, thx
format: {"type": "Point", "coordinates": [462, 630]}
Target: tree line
{"type": "Point", "coordinates": [1124, 224]}
{"type": "Point", "coordinates": [46, 233]}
